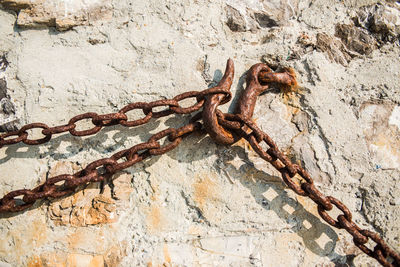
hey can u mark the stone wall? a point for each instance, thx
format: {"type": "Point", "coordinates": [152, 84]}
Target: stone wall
{"type": "Point", "coordinates": [201, 204]}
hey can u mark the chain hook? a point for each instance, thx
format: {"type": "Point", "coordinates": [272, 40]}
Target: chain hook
{"type": "Point", "coordinates": [257, 81]}
{"type": "Point", "coordinates": [258, 73]}
{"type": "Point", "coordinates": [210, 119]}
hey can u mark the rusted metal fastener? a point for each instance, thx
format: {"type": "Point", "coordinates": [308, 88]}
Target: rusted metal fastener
{"type": "Point", "coordinates": [211, 125]}
{"type": "Point", "coordinates": [258, 79]}
{"type": "Point", "coordinates": [248, 98]}
{"type": "Point", "coordinates": [286, 78]}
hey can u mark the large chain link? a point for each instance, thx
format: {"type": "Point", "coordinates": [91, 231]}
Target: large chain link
{"type": "Point", "coordinates": [223, 128]}
{"type": "Point", "coordinates": [299, 180]}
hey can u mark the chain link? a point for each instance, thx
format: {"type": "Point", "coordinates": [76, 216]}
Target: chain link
{"type": "Point", "coordinates": [120, 117]}
{"type": "Point", "coordinates": [305, 187]}
{"type": "Point", "coordinates": [96, 171]}
{"type": "Point", "coordinates": [224, 128]}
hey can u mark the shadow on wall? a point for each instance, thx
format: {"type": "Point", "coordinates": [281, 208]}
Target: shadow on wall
{"type": "Point", "coordinates": [269, 193]}
{"type": "Point", "coordinates": [307, 226]}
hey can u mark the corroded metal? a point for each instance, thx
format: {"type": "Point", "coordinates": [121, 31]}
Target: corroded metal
{"type": "Point", "coordinates": [258, 80]}
{"type": "Point", "coordinates": [216, 131]}
{"type": "Point", "coordinates": [223, 128]}
{"type": "Point", "coordinates": [295, 177]}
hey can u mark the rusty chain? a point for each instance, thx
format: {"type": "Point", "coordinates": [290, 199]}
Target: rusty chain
{"type": "Point", "coordinates": [120, 117]}
{"type": "Point", "coordinates": [223, 128]}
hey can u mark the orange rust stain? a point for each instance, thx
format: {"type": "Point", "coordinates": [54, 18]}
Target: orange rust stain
{"type": "Point", "coordinates": [154, 197]}
{"type": "Point", "coordinates": [39, 235]}
{"type": "Point", "coordinates": [35, 261]}
{"type": "Point", "coordinates": [60, 259]}
{"type": "Point", "coordinates": [35, 236]}
{"type": "Point", "coordinates": [204, 191]}
{"type": "Point", "coordinates": [292, 103]}
{"type": "Point", "coordinates": [194, 230]}
{"type": "Point", "coordinates": [388, 144]}
{"type": "Point", "coordinates": [291, 97]}
{"type": "Point", "coordinates": [54, 259]}
{"type": "Point", "coordinates": [167, 257]}
{"type": "Point", "coordinates": [241, 143]}
{"type": "Point", "coordinates": [74, 240]}
{"type": "Point", "coordinates": [97, 261]}
{"type": "Point", "coordinates": [154, 219]}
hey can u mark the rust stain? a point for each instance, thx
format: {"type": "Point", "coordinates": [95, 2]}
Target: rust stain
{"type": "Point", "coordinates": [97, 261]}
{"type": "Point", "coordinates": [154, 219]}
{"type": "Point", "coordinates": [34, 236]}
{"type": "Point", "coordinates": [292, 103]}
{"type": "Point", "coordinates": [53, 259]}
{"type": "Point", "coordinates": [39, 235]}
{"type": "Point", "coordinates": [167, 257]}
{"type": "Point", "coordinates": [35, 261]}
{"type": "Point", "coordinates": [62, 259]}
{"type": "Point", "coordinates": [74, 239]}
{"type": "Point", "coordinates": [204, 191]}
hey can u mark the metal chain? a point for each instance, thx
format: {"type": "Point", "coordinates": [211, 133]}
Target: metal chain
{"type": "Point", "coordinates": [223, 128]}
{"type": "Point", "coordinates": [299, 180]}
{"type": "Point", "coordinates": [96, 171]}
{"type": "Point", "coordinates": [120, 117]}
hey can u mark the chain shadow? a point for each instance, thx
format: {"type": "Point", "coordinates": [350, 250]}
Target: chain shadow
{"type": "Point", "coordinates": [195, 139]}
{"type": "Point", "coordinates": [96, 141]}
{"type": "Point", "coordinates": [269, 193]}
{"type": "Point", "coordinates": [305, 224]}
{"type": "Point", "coordinates": [78, 144]}
{"type": "Point", "coordinates": [308, 226]}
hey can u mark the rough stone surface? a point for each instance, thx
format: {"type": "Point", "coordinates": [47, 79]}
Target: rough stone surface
{"type": "Point", "coordinates": [8, 119]}
{"type": "Point", "coordinates": [63, 14]}
{"type": "Point", "coordinates": [383, 21]}
{"type": "Point", "coordinates": [201, 204]}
